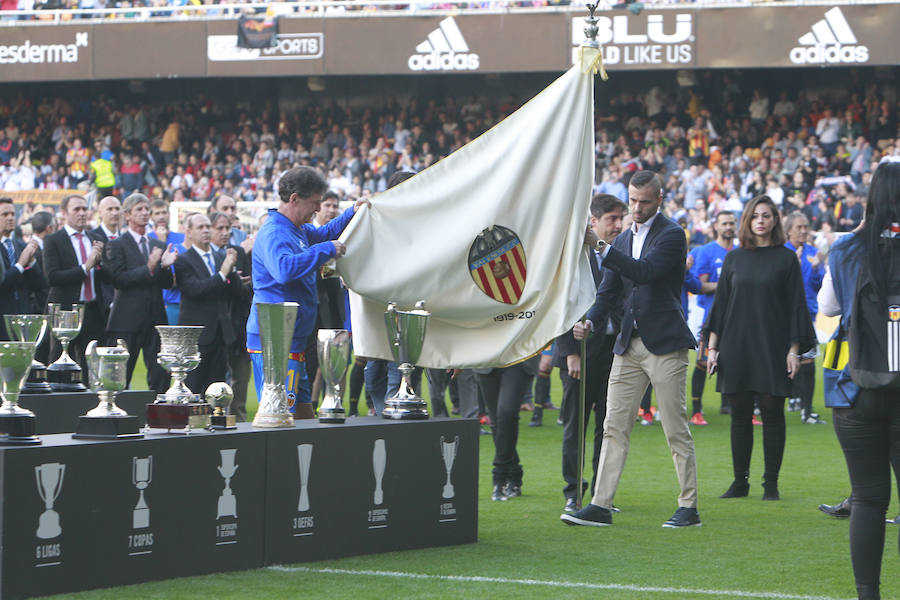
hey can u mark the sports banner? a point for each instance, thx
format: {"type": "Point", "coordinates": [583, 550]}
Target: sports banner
{"type": "Point", "coordinates": [491, 237]}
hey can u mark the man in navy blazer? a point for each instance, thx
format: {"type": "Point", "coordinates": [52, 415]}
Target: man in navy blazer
{"type": "Point", "coordinates": [607, 212]}
{"type": "Point", "coordinates": [139, 268]}
{"type": "Point", "coordinates": [19, 271]}
{"type": "Point", "coordinates": [208, 287]}
{"type": "Point", "coordinates": [645, 269]}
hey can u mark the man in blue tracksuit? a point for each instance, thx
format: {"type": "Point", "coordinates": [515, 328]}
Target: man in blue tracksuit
{"type": "Point", "coordinates": [288, 253]}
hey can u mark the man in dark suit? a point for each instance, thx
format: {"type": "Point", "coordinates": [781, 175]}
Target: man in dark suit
{"type": "Point", "coordinates": [43, 224]}
{"type": "Point", "coordinates": [110, 211]}
{"type": "Point", "coordinates": [139, 268]}
{"type": "Point", "coordinates": [607, 212]}
{"type": "Point", "coordinates": [72, 256]}
{"type": "Point", "coordinates": [645, 268]}
{"type": "Point", "coordinates": [19, 274]}
{"type": "Point", "coordinates": [208, 286]}
{"type": "Point", "coordinates": [238, 357]}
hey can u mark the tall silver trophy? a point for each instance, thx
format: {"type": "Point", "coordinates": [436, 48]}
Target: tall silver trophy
{"type": "Point", "coordinates": [107, 370]}
{"type": "Point", "coordinates": [406, 334]}
{"type": "Point", "coordinates": [64, 374]}
{"type": "Point", "coordinates": [31, 328]}
{"type": "Point", "coordinates": [276, 330]}
{"type": "Point", "coordinates": [17, 424]}
{"type": "Point", "coordinates": [179, 408]}
{"type": "Point", "coordinates": [334, 358]}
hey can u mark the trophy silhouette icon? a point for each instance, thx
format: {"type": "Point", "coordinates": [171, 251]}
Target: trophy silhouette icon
{"type": "Point", "coordinates": [379, 458]}
{"type": "Point", "coordinates": [227, 501]}
{"type": "Point", "coordinates": [141, 476]}
{"type": "Point", "coordinates": [304, 455]}
{"type": "Point", "coordinates": [49, 483]}
{"type": "Point", "coordinates": [448, 452]}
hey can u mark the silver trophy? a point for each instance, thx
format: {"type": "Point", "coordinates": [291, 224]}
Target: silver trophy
{"type": "Point", "coordinates": [107, 372]}
{"type": "Point", "coordinates": [141, 476]}
{"type": "Point", "coordinates": [31, 328]}
{"type": "Point", "coordinates": [334, 358]}
{"type": "Point", "coordinates": [64, 374]}
{"type": "Point", "coordinates": [406, 334]}
{"type": "Point", "coordinates": [179, 408]}
{"type": "Point", "coordinates": [276, 330]}
{"type": "Point", "coordinates": [179, 354]}
{"type": "Point", "coordinates": [219, 396]}
{"type": "Point", "coordinates": [49, 483]}
{"type": "Point", "coordinates": [448, 453]}
{"type": "Point", "coordinates": [17, 424]}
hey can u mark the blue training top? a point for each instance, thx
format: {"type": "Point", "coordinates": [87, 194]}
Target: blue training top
{"type": "Point", "coordinates": [286, 259]}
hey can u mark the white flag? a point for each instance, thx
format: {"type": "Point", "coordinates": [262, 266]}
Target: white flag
{"type": "Point", "coordinates": [491, 238]}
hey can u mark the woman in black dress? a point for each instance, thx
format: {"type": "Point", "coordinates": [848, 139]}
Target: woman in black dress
{"type": "Point", "coordinates": [757, 326]}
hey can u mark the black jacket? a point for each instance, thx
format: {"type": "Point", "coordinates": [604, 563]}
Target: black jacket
{"type": "Point", "coordinates": [206, 299]}
{"type": "Point", "coordinates": [138, 302]}
{"type": "Point", "coordinates": [650, 289]}
{"type": "Point", "coordinates": [64, 270]}
{"type": "Point", "coordinates": [16, 288]}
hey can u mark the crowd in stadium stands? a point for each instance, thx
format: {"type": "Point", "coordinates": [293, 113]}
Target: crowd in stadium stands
{"type": "Point", "coordinates": [715, 146]}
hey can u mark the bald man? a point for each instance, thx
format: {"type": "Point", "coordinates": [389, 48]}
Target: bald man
{"type": "Point", "coordinates": [109, 212]}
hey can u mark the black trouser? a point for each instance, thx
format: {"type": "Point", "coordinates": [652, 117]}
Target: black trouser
{"type": "Point", "coordinates": [438, 382]}
{"type": "Point", "coordinates": [503, 389]}
{"type": "Point", "coordinates": [772, 412]}
{"type": "Point", "coordinates": [869, 433]}
{"type": "Point", "coordinates": [239, 365]}
{"type": "Point", "coordinates": [805, 386]}
{"type": "Point", "coordinates": [146, 340]}
{"type": "Point", "coordinates": [213, 365]}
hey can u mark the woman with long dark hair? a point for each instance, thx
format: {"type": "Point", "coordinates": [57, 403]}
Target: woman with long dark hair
{"type": "Point", "coordinates": [868, 425]}
{"type": "Point", "coordinates": [758, 326]}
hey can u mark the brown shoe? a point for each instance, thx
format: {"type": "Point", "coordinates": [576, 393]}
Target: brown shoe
{"type": "Point", "coordinates": [527, 407]}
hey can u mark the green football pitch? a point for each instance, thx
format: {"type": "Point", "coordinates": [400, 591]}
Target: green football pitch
{"type": "Point", "coordinates": [746, 548]}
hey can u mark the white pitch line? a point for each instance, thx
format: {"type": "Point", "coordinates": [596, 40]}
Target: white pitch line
{"type": "Point", "coordinates": [550, 583]}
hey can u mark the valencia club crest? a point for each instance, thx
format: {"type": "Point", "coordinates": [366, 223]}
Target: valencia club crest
{"type": "Point", "coordinates": [497, 264]}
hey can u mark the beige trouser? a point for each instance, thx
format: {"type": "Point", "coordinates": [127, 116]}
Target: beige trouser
{"type": "Point", "coordinates": [628, 380]}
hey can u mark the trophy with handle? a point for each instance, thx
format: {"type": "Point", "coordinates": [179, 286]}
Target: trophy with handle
{"type": "Point", "coordinates": [31, 328]}
{"type": "Point", "coordinates": [17, 424]}
{"type": "Point", "coordinates": [276, 330]}
{"type": "Point", "coordinates": [179, 408]}
{"type": "Point", "coordinates": [334, 358]}
{"type": "Point", "coordinates": [64, 374]}
{"type": "Point", "coordinates": [406, 334]}
{"type": "Point", "coordinates": [107, 370]}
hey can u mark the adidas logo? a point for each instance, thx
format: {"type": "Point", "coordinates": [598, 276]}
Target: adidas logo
{"type": "Point", "coordinates": [829, 41]}
{"type": "Point", "coordinates": [444, 50]}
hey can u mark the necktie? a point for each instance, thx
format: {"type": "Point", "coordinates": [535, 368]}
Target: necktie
{"type": "Point", "coordinates": [209, 263]}
{"type": "Point", "coordinates": [144, 250]}
{"type": "Point", "coordinates": [88, 292]}
{"type": "Point", "coordinates": [10, 252]}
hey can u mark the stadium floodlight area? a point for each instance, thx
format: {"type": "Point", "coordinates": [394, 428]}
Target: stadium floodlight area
{"type": "Point", "coordinates": [364, 8]}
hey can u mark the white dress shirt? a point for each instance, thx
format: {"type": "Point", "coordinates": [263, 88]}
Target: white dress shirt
{"type": "Point", "coordinates": [77, 246]}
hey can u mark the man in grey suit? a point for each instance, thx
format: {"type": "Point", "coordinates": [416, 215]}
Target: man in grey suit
{"type": "Point", "coordinates": [644, 268]}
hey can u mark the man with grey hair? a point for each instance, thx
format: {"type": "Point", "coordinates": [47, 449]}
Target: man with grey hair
{"type": "Point", "coordinates": [140, 269]}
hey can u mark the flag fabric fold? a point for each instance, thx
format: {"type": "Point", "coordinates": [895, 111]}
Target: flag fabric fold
{"type": "Point", "coordinates": [491, 238]}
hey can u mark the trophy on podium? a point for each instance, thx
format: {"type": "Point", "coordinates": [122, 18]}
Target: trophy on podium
{"type": "Point", "coordinates": [276, 330]}
{"type": "Point", "coordinates": [31, 328]}
{"type": "Point", "coordinates": [219, 396]}
{"type": "Point", "coordinates": [334, 358]}
{"type": "Point", "coordinates": [17, 424]}
{"type": "Point", "coordinates": [65, 375]}
{"type": "Point", "coordinates": [179, 408]}
{"type": "Point", "coordinates": [107, 373]}
{"type": "Point", "coordinates": [406, 334]}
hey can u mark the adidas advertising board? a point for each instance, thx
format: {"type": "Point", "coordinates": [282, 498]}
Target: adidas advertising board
{"type": "Point", "coordinates": [830, 41]}
{"type": "Point", "coordinates": [445, 49]}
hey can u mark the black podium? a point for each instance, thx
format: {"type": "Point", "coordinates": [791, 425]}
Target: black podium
{"type": "Point", "coordinates": [81, 514]}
